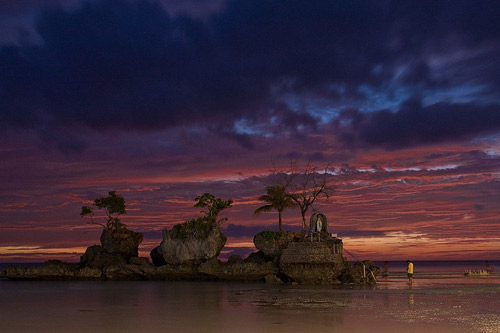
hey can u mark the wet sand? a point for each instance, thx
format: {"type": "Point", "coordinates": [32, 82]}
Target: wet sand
{"type": "Point", "coordinates": [431, 305]}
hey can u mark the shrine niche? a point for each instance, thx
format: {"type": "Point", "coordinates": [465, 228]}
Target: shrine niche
{"type": "Point", "coordinates": [318, 223]}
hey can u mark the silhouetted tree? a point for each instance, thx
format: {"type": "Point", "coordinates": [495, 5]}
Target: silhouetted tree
{"type": "Point", "coordinates": [306, 185]}
{"type": "Point", "coordinates": [213, 207]}
{"type": "Point", "coordinates": [113, 206]}
{"type": "Point", "coordinates": [201, 226]}
{"type": "Point", "coordinates": [277, 199]}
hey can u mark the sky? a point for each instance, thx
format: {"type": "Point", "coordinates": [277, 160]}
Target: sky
{"type": "Point", "coordinates": [164, 100]}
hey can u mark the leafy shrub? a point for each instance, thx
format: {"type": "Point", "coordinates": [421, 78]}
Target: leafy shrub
{"type": "Point", "coordinates": [201, 226]}
{"type": "Point", "coordinates": [194, 228]}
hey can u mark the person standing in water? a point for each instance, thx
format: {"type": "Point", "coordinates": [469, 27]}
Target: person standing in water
{"type": "Point", "coordinates": [385, 269]}
{"type": "Point", "coordinates": [410, 272]}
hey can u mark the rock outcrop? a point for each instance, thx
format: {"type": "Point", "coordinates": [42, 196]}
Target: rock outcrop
{"type": "Point", "coordinates": [96, 257]}
{"type": "Point", "coordinates": [122, 242]}
{"type": "Point", "coordinates": [313, 259]}
{"type": "Point", "coordinates": [190, 249]}
{"type": "Point", "coordinates": [157, 257]}
{"type": "Point", "coordinates": [52, 270]}
{"type": "Point", "coordinates": [117, 247]}
{"type": "Point", "coordinates": [272, 243]}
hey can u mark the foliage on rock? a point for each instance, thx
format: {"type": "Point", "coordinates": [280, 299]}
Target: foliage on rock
{"type": "Point", "coordinates": [201, 226]}
{"type": "Point", "coordinates": [113, 206]}
{"type": "Point", "coordinates": [194, 228]}
{"type": "Point", "coordinates": [212, 207]}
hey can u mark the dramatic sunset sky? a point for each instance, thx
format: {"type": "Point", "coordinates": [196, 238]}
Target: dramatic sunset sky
{"type": "Point", "coordinates": [164, 100]}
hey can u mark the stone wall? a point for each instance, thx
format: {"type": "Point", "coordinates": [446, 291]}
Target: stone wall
{"type": "Point", "coordinates": [312, 263]}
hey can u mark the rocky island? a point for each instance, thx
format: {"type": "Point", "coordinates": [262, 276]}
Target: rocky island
{"type": "Point", "coordinates": [190, 252]}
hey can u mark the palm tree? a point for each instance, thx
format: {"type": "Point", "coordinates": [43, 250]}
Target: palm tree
{"type": "Point", "coordinates": [276, 198]}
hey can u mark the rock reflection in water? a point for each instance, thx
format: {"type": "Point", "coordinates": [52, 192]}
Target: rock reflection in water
{"type": "Point", "coordinates": [228, 307]}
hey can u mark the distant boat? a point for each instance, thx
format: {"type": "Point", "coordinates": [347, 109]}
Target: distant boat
{"type": "Point", "coordinates": [477, 273]}
{"type": "Point", "coordinates": [488, 271]}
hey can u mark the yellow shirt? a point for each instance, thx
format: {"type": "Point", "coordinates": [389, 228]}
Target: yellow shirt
{"type": "Point", "coordinates": [410, 268]}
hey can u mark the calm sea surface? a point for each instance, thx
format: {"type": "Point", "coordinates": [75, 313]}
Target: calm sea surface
{"type": "Point", "coordinates": [441, 300]}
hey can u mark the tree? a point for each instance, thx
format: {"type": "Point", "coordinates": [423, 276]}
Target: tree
{"type": "Point", "coordinates": [201, 226]}
{"type": "Point", "coordinates": [113, 206]}
{"type": "Point", "coordinates": [305, 185]}
{"type": "Point", "coordinates": [278, 199]}
{"type": "Point", "coordinates": [213, 207]}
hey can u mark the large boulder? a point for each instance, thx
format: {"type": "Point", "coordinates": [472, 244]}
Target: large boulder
{"type": "Point", "coordinates": [97, 257]}
{"type": "Point", "coordinates": [123, 242]}
{"type": "Point", "coordinates": [189, 247]}
{"type": "Point", "coordinates": [117, 247]}
{"type": "Point", "coordinates": [157, 257]}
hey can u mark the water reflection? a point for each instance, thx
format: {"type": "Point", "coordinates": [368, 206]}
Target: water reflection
{"type": "Point", "coordinates": [223, 307]}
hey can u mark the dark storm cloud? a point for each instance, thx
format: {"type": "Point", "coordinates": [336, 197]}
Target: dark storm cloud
{"type": "Point", "coordinates": [130, 65]}
{"type": "Point", "coordinates": [414, 124]}
{"type": "Point", "coordinates": [121, 65]}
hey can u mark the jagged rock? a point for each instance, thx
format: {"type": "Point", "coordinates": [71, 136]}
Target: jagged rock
{"type": "Point", "coordinates": [237, 271]}
{"type": "Point", "coordinates": [97, 257]}
{"type": "Point", "coordinates": [312, 263]}
{"type": "Point", "coordinates": [156, 257]}
{"type": "Point", "coordinates": [191, 249]}
{"type": "Point", "coordinates": [272, 243]}
{"type": "Point", "coordinates": [118, 247]}
{"type": "Point", "coordinates": [122, 241]}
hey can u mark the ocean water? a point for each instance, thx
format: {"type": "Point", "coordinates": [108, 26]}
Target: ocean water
{"type": "Point", "coordinates": [440, 300]}
{"type": "Point", "coordinates": [438, 267]}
